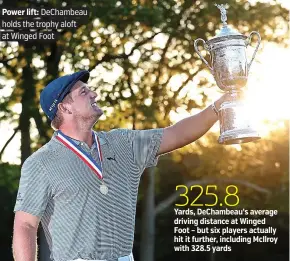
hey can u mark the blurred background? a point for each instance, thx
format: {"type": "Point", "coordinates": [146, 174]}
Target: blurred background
{"type": "Point", "coordinates": [143, 65]}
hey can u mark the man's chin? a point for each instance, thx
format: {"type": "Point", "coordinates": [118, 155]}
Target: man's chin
{"type": "Point", "coordinates": [98, 114]}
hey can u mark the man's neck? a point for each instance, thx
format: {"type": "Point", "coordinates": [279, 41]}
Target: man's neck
{"type": "Point", "coordinates": [81, 134]}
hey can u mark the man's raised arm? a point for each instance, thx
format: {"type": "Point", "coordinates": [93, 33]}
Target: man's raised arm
{"type": "Point", "coordinates": [189, 129]}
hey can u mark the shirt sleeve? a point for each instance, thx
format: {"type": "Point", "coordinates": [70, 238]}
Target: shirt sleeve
{"type": "Point", "coordinates": [145, 145]}
{"type": "Point", "coordinates": [34, 190]}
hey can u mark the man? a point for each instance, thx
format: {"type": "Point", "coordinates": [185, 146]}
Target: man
{"type": "Point", "coordinates": [83, 184]}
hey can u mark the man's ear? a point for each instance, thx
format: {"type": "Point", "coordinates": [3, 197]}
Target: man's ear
{"type": "Point", "coordinates": [64, 108]}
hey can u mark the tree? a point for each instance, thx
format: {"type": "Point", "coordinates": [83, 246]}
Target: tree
{"type": "Point", "coordinates": [147, 49]}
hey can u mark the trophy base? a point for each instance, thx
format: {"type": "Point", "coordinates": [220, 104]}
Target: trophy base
{"type": "Point", "coordinates": [238, 136]}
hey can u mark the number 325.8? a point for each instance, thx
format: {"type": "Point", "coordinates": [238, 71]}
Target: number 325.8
{"type": "Point", "coordinates": [210, 194]}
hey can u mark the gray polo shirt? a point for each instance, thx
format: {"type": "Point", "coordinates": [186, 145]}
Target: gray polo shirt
{"type": "Point", "coordinates": [78, 220]}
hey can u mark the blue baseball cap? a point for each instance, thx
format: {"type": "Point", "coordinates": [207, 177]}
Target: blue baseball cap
{"type": "Point", "coordinates": [56, 90]}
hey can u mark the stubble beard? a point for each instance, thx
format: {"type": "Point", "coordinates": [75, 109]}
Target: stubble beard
{"type": "Point", "coordinates": [86, 123]}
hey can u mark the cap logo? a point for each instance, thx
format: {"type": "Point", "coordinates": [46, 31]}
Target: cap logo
{"type": "Point", "coordinates": [53, 105]}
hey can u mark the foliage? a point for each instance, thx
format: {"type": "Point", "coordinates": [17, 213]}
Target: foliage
{"type": "Point", "coordinates": [9, 177]}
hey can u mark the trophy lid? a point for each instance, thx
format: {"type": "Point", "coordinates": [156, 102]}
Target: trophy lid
{"type": "Point", "coordinates": [225, 31]}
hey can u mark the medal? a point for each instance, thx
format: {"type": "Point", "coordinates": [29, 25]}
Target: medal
{"type": "Point", "coordinates": [104, 189]}
{"type": "Point", "coordinates": [86, 158]}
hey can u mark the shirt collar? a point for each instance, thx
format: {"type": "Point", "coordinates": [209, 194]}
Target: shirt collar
{"type": "Point", "coordinates": [77, 142]}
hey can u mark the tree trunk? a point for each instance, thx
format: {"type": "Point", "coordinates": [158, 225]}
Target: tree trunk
{"type": "Point", "coordinates": [40, 125]}
{"type": "Point", "coordinates": [28, 88]}
{"type": "Point", "coordinates": [148, 217]}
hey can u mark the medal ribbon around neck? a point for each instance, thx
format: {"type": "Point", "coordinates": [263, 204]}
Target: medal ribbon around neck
{"type": "Point", "coordinates": [85, 157]}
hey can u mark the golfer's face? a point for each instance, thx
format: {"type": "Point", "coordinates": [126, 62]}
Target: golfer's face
{"type": "Point", "coordinates": [84, 104]}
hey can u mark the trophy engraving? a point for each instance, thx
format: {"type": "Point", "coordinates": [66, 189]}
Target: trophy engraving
{"type": "Point", "coordinates": [229, 66]}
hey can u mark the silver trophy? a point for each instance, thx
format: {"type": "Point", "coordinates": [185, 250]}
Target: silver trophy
{"type": "Point", "coordinates": [230, 69]}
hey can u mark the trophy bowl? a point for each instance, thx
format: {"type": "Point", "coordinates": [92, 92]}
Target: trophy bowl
{"type": "Point", "coordinates": [228, 59]}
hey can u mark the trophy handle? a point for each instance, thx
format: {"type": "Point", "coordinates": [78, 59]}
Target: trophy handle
{"type": "Point", "coordinates": [248, 42]}
{"type": "Point", "coordinates": [199, 54]}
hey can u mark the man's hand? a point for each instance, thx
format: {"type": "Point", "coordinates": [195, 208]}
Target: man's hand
{"type": "Point", "coordinates": [222, 99]}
